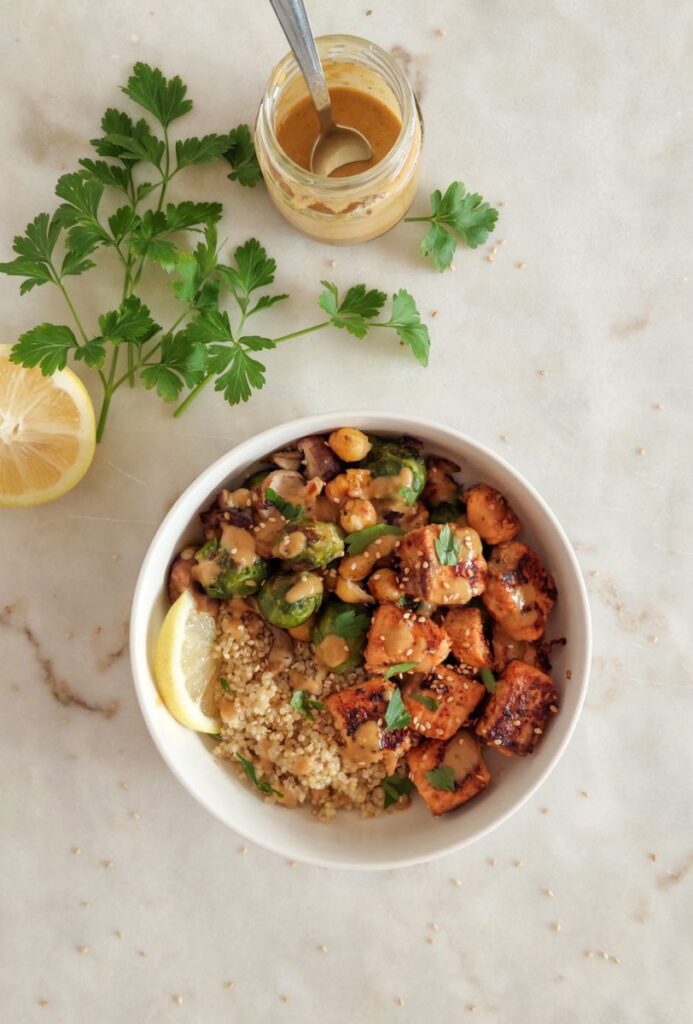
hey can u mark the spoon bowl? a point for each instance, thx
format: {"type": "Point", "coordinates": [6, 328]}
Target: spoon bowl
{"type": "Point", "coordinates": [336, 145]}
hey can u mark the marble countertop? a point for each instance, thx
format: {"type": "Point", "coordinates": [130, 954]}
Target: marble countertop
{"type": "Point", "coordinates": [121, 898]}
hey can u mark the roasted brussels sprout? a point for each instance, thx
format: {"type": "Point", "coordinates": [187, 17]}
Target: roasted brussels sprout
{"type": "Point", "coordinates": [397, 459]}
{"type": "Point", "coordinates": [447, 512]}
{"type": "Point", "coordinates": [288, 599]}
{"type": "Point", "coordinates": [311, 545]}
{"type": "Point", "coordinates": [222, 576]}
{"type": "Point", "coordinates": [340, 636]}
{"type": "Point", "coordinates": [256, 478]}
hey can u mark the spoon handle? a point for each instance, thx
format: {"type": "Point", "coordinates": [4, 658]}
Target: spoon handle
{"type": "Point", "coordinates": [293, 19]}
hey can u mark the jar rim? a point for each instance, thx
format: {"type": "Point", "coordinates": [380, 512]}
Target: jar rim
{"type": "Point", "coordinates": [406, 98]}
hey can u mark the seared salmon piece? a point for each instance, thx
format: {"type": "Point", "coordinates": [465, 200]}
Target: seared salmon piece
{"type": "Point", "coordinates": [514, 718]}
{"type": "Point", "coordinates": [505, 650]}
{"type": "Point", "coordinates": [466, 630]}
{"type": "Point", "coordinates": [490, 514]}
{"type": "Point", "coordinates": [457, 578]}
{"type": "Point", "coordinates": [450, 773]}
{"type": "Point", "coordinates": [519, 593]}
{"type": "Point", "coordinates": [359, 717]}
{"type": "Point", "coordinates": [397, 636]}
{"type": "Point", "coordinates": [442, 702]}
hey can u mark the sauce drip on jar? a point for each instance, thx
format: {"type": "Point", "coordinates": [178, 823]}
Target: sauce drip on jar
{"type": "Point", "coordinates": [299, 128]}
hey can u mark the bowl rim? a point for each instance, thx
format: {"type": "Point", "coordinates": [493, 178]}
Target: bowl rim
{"type": "Point", "coordinates": [282, 434]}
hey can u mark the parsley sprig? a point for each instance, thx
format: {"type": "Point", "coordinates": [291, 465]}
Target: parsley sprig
{"type": "Point", "coordinates": [455, 214]}
{"type": "Point", "coordinates": [260, 784]}
{"type": "Point", "coordinates": [442, 777]}
{"type": "Point", "coordinates": [302, 702]}
{"type": "Point", "coordinates": [396, 786]}
{"type": "Point", "coordinates": [117, 201]}
{"type": "Point", "coordinates": [292, 513]}
{"type": "Point", "coordinates": [396, 715]}
{"type": "Point", "coordinates": [361, 539]}
{"type": "Point", "coordinates": [447, 546]}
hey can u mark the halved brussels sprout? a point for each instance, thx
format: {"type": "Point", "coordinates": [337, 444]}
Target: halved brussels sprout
{"type": "Point", "coordinates": [222, 577]}
{"type": "Point", "coordinates": [340, 635]}
{"type": "Point", "coordinates": [279, 606]}
{"type": "Point", "coordinates": [311, 545]}
{"type": "Point", "coordinates": [390, 458]}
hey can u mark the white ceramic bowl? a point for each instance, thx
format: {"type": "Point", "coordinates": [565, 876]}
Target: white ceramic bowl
{"type": "Point", "coordinates": [392, 840]}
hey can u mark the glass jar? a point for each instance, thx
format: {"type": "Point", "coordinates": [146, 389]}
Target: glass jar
{"type": "Point", "coordinates": [353, 209]}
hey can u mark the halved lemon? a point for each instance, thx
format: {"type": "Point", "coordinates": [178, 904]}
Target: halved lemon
{"type": "Point", "coordinates": [185, 664]}
{"type": "Point", "coordinates": [47, 433]}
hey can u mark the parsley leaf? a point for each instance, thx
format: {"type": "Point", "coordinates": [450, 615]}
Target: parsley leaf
{"type": "Point", "coordinates": [457, 213]}
{"type": "Point", "coordinates": [225, 684]}
{"type": "Point", "coordinates": [254, 269]}
{"type": "Point", "coordinates": [162, 97]}
{"type": "Point", "coordinates": [305, 704]}
{"type": "Point", "coordinates": [45, 346]}
{"type": "Point", "coordinates": [262, 785]}
{"type": "Point", "coordinates": [406, 321]}
{"type": "Point", "coordinates": [428, 702]}
{"type": "Point", "coordinates": [293, 513]}
{"type": "Point", "coordinates": [447, 546]}
{"type": "Point", "coordinates": [130, 322]}
{"type": "Point", "coordinates": [488, 679]}
{"type": "Point", "coordinates": [120, 133]}
{"type": "Point", "coordinates": [200, 151]}
{"type": "Point", "coordinates": [350, 623]}
{"type": "Point", "coordinates": [396, 715]}
{"type": "Point", "coordinates": [243, 374]}
{"type": "Point", "coordinates": [242, 157]}
{"type": "Point", "coordinates": [397, 670]}
{"type": "Point", "coordinates": [35, 249]}
{"type": "Point", "coordinates": [182, 361]}
{"type": "Point", "coordinates": [189, 215]}
{"type": "Point", "coordinates": [358, 306]}
{"type": "Point", "coordinates": [396, 786]}
{"type": "Point", "coordinates": [360, 540]}
{"type": "Point", "coordinates": [108, 174]}
{"type": "Point", "coordinates": [442, 777]}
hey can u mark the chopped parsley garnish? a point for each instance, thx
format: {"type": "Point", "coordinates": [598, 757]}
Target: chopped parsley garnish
{"type": "Point", "coordinates": [359, 541]}
{"type": "Point", "coordinates": [305, 704]}
{"type": "Point", "coordinates": [350, 623]}
{"type": "Point", "coordinates": [447, 546]}
{"type": "Point", "coordinates": [264, 787]}
{"type": "Point", "coordinates": [442, 777]}
{"type": "Point", "coordinates": [292, 513]}
{"type": "Point", "coordinates": [225, 685]}
{"type": "Point", "coordinates": [428, 702]}
{"type": "Point", "coordinates": [488, 679]}
{"type": "Point", "coordinates": [397, 670]}
{"type": "Point", "coordinates": [396, 715]}
{"type": "Point", "coordinates": [396, 786]}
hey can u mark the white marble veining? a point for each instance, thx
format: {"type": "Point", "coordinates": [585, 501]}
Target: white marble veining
{"type": "Point", "coordinates": [577, 117]}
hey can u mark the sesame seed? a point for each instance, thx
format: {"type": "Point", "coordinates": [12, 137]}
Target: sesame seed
{"type": "Point", "coordinates": [659, 407]}
{"type": "Point", "coordinates": [284, 999]}
{"type": "Point", "coordinates": [549, 892]}
{"type": "Point", "coordinates": [589, 952]}
{"type": "Point", "coordinates": [107, 863]}
{"type": "Point", "coordinates": [83, 950]}
{"type": "Point", "coordinates": [135, 815]}
{"type": "Point", "coordinates": [123, 785]}
{"type": "Point", "coordinates": [472, 1008]}
{"type": "Point", "coordinates": [85, 903]}
{"type": "Point", "coordinates": [399, 1000]}
{"type": "Point", "coordinates": [435, 927]}
{"type": "Point", "coordinates": [118, 934]}
{"type": "Point", "coordinates": [504, 437]}
{"type": "Point", "coordinates": [42, 1002]}
{"type": "Point", "coordinates": [293, 863]}
{"type": "Point", "coordinates": [490, 258]}
{"type": "Point", "coordinates": [243, 850]}
{"type": "Point", "coordinates": [491, 862]}
{"type": "Point", "coordinates": [503, 241]}
{"type": "Point", "coordinates": [141, 952]}
{"type": "Point", "coordinates": [605, 956]}
{"type": "Point", "coordinates": [585, 793]}
{"type": "Point", "coordinates": [178, 999]}
{"type": "Point", "coordinates": [520, 266]}
{"type": "Point", "coordinates": [76, 850]}
{"type": "Point", "coordinates": [654, 639]}
{"type": "Point", "coordinates": [653, 856]}
{"type": "Point", "coordinates": [431, 941]}
{"type": "Point", "coordinates": [498, 742]}
{"type": "Point", "coordinates": [456, 881]}
{"type": "Point", "coordinates": [543, 373]}
{"type": "Point", "coordinates": [538, 731]}
{"type": "Point", "coordinates": [229, 984]}
{"type": "Point", "coordinates": [544, 810]}
{"type": "Point", "coordinates": [441, 32]}
{"type": "Point", "coordinates": [434, 312]}
{"type": "Point", "coordinates": [518, 863]}
{"type": "Point", "coordinates": [640, 451]}
{"type": "Point", "coordinates": [556, 926]}
{"type": "Point", "coordinates": [323, 949]}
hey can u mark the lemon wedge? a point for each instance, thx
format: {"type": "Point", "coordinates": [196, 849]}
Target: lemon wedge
{"type": "Point", "coordinates": [185, 664]}
{"type": "Point", "coordinates": [47, 433]}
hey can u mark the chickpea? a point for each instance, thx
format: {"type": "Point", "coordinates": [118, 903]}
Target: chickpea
{"type": "Point", "coordinates": [358, 483]}
{"type": "Point", "coordinates": [351, 593]}
{"type": "Point", "coordinates": [384, 586]}
{"type": "Point", "coordinates": [357, 514]}
{"type": "Point", "coordinates": [349, 444]}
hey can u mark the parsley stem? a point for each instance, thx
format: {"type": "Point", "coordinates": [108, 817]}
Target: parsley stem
{"type": "Point", "coordinates": [77, 320]}
{"type": "Point", "coordinates": [415, 220]}
{"type": "Point", "coordinates": [298, 334]}
{"type": "Point", "coordinates": [103, 414]}
{"type": "Point", "coordinates": [193, 395]}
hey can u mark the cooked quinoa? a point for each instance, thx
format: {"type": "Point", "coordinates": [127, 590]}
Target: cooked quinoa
{"type": "Point", "coordinates": [299, 758]}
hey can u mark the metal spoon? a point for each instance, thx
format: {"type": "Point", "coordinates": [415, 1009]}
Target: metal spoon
{"type": "Point", "coordinates": [336, 145]}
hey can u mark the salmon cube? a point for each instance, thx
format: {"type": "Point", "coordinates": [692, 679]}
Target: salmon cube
{"type": "Point", "coordinates": [359, 717]}
{"type": "Point", "coordinates": [466, 628]}
{"type": "Point", "coordinates": [517, 712]}
{"type": "Point", "coordinates": [450, 773]}
{"type": "Point", "coordinates": [424, 554]}
{"type": "Point", "coordinates": [442, 702]}
{"type": "Point", "coordinates": [490, 514]}
{"type": "Point", "coordinates": [397, 636]}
